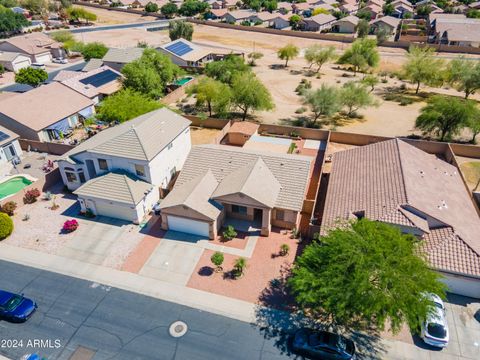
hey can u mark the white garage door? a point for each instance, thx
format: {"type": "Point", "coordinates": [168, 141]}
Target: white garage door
{"type": "Point", "coordinates": [21, 65]}
{"type": "Point", "coordinates": [188, 226]}
{"type": "Point", "coordinates": [43, 58]}
{"type": "Point", "coordinates": [116, 211]}
{"type": "Point", "coordinates": [462, 286]}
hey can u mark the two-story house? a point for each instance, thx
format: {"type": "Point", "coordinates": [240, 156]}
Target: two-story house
{"type": "Point", "coordinates": [118, 172]}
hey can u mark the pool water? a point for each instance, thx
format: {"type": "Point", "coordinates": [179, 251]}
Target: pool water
{"type": "Point", "coordinates": [183, 81]}
{"type": "Point", "coordinates": [13, 186]}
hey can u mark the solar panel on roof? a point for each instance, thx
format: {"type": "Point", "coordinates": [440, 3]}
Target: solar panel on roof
{"type": "Point", "coordinates": [179, 48]}
{"type": "Point", "coordinates": [3, 136]}
{"type": "Point", "coordinates": [100, 79]}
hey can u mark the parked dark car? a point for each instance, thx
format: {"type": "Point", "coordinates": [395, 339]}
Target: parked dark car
{"type": "Point", "coordinates": [315, 344]}
{"type": "Point", "coordinates": [14, 307]}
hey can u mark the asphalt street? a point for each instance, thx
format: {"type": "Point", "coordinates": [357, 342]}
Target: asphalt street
{"type": "Point", "coordinates": [117, 324]}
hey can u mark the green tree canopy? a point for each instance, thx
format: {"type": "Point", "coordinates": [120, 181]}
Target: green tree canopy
{"type": "Point", "coordinates": [355, 96]}
{"type": "Point", "coordinates": [150, 74]}
{"type": "Point", "coordinates": [422, 68]}
{"type": "Point", "coordinates": [318, 55]}
{"type": "Point", "coordinates": [445, 116]}
{"type": "Point", "coordinates": [11, 22]}
{"type": "Point", "coordinates": [270, 5]}
{"type": "Point", "coordinates": [288, 52]}
{"type": "Point", "coordinates": [62, 36]}
{"type": "Point", "coordinates": [125, 105]}
{"type": "Point", "coordinates": [169, 10]}
{"type": "Point", "coordinates": [94, 50]}
{"type": "Point", "coordinates": [388, 9]}
{"type": "Point", "coordinates": [225, 70]}
{"type": "Point", "coordinates": [193, 7]}
{"type": "Point", "coordinates": [250, 94]}
{"type": "Point", "coordinates": [180, 29]}
{"type": "Point", "coordinates": [367, 273]}
{"type": "Point", "coordinates": [2, 70]}
{"type": "Point", "coordinates": [31, 76]}
{"type": "Point", "coordinates": [324, 101]}
{"type": "Point", "coordinates": [473, 123]}
{"type": "Point", "coordinates": [151, 7]}
{"type": "Point", "coordinates": [8, 3]}
{"type": "Point", "coordinates": [76, 13]}
{"type": "Point", "coordinates": [464, 75]}
{"type": "Point", "coordinates": [363, 28]}
{"type": "Point", "coordinates": [371, 81]}
{"type": "Point", "coordinates": [362, 55]}
{"type": "Point", "coordinates": [36, 7]}
{"type": "Point", "coordinates": [295, 21]}
{"type": "Point", "coordinates": [424, 10]}
{"type": "Point", "coordinates": [254, 56]}
{"type": "Point", "coordinates": [212, 93]}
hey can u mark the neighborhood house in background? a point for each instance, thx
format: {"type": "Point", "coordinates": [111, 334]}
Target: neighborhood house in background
{"type": "Point", "coordinates": [397, 183]}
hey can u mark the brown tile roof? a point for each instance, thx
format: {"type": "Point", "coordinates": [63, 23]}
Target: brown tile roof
{"type": "Point", "coordinates": [395, 182]}
{"type": "Point", "coordinates": [34, 43]}
{"type": "Point", "coordinates": [244, 127]}
{"type": "Point", "coordinates": [291, 171]}
{"type": "Point", "coordinates": [44, 105]}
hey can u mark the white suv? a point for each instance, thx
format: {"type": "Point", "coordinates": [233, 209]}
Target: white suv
{"type": "Point", "coordinates": [435, 328]}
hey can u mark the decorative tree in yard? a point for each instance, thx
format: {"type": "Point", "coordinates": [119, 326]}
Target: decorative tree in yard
{"type": "Point", "coordinates": [318, 55]}
{"type": "Point", "coordinates": [31, 76]}
{"type": "Point", "coordinates": [365, 274]}
{"type": "Point", "coordinates": [217, 260]}
{"type": "Point", "coordinates": [229, 233]}
{"type": "Point", "coordinates": [6, 226]}
{"type": "Point", "coordinates": [212, 93]}
{"type": "Point", "coordinates": [239, 267]}
{"type": "Point", "coordinates": [445, 116]}
{"type": "Point", "coordinates": [288, 52]}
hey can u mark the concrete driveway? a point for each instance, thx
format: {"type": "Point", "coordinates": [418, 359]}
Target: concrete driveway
{"type": "Point", "coordinates": [102, 241]}
{"type": "Point", "coordinates": [174, 259]}
{"type": "Point", "coordinates": [463, 317]}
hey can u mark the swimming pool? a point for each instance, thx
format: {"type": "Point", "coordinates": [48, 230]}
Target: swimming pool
{"type": "Point", "coordinates": [13, 185]}
{"type": "Point", "coordinates": [183, 81]}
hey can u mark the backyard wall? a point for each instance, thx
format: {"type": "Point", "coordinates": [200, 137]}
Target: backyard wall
{"type": "Point", "coordinates": [46, 147]}
{"type": "Point", "coordinates": [177, 94]}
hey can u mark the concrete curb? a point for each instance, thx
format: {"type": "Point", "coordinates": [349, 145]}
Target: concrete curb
{"type": "Point", "coordinates": [201, 300]}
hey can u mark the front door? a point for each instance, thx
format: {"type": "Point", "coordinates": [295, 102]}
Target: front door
{"type": "Point", "coordinates": [257, 215]}
{"type": "Point", "coordinates": [91, 169]}
{"type": "Point", "coordinates": [9, 152]}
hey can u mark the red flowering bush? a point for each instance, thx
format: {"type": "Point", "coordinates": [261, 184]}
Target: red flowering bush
{"type": "Point", "coordinates": [31, 196]}
{"type": "Point", "coordinates": [70, 226]}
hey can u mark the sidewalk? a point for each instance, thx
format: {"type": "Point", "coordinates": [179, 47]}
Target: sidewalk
{"type": "Point", "coordinates": [202, 300]}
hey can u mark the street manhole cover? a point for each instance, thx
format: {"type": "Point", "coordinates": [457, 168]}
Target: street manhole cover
{"type": "Point", "coordinates": [178, 329]}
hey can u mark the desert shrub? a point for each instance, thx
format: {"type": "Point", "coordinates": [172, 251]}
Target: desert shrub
{"type": "Point", "coordinates": [284, 249]}
{"type": "Point", "coordinates": [31, 196]}
{"type": "Point", "coordinates": [9, 208]}
{"type": "Point", "coordinates": [70, 226]}
{"type": "Point", "coordinates": [6, 226]}
{"type": "Point", "coordinates": [229, 233]}
{"type": "Point", "coordinates": [406, 101]}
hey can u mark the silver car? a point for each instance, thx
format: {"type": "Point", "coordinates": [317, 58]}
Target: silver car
{"type": "Point", "coordinates": [435, 328]}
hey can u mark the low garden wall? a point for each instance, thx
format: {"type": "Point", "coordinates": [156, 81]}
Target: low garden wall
{"type": "Point", "coordinates": [131, 11]}
{"type": "Point", "coordinates": [46, 147]}
{"type": "Point", "coordinates": [178, 93]}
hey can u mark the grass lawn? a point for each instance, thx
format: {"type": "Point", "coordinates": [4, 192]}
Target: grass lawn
{"type": "Point", "coordinates": [471, 171]}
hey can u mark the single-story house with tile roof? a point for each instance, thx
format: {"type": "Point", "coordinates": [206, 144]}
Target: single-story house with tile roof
{"type": "Point", "coordinates": [184, 53]}
{"type": "Point", "coordinates": [349, 8]}
{"type": "Point", "coordinates": [63, 75]}
{"type": "Point", "coordinates": [319, 22]}
{"type": "Point", "coordinates": [240, 132]}
{"type": "Point", "coordinates": [218, 13]}
{"type": "Point", "coordinates": [14, 61]}
{"type": "Point", "coordinates": [45, 113]}
{"type": "Point", "coordinates": [389, 23]}
{"type": "Point", "coordinates": [284, 7]}
{"type": "Point", "coordinates": [373, 9]}
{"type": "Point", "coordinates": [237, 16]}
{"type": "Point", "coordinates": [396, 183]}
{"type": "Point", "coordinates": [346, 25]}
{"type": "Point", "coordinates": [95, 84]}
{"type": "Point", "coordinates": [39, 47]}
{"type": "Point", "coordinates": [456, 31]}
{"type": "Point", "coordinates": [264, 16]}
{"type": "Point", "coordinates": [219, 182]}
{"type": "Point", "coordinates": [92, 64]}
{"type": "Point", "coordinates": [281, 21]}
{"type": "Point", "coordinates": [117, 58]}
{"type": "Point", "coordinates": [119, 195]}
